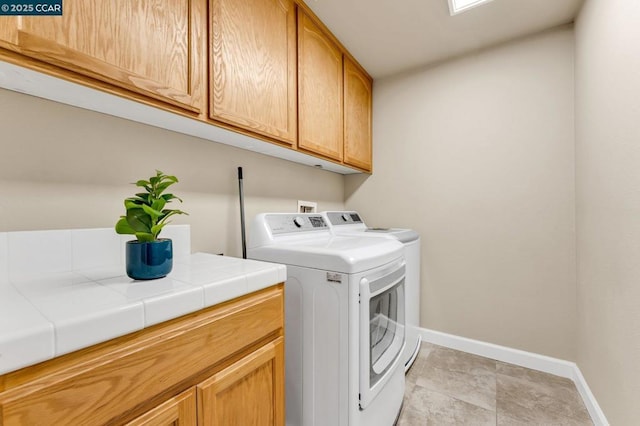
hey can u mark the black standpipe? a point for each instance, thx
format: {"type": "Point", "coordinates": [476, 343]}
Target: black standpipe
{"type": "Point", "coordinates": [242, 226]}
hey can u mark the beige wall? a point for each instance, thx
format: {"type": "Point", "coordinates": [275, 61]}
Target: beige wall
{"type": "Point", "coordinates": [63, 167]}
{"type": "Point", "coordinates": [477, 155]}
{"type": "Point", "coordinates": [608, 204]}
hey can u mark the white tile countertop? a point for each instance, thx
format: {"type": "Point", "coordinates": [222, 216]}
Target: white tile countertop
{"type": "Point", "coordinates": [61, 309]}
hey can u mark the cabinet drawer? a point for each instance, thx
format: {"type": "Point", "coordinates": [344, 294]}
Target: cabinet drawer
{"type": "Point", "coordinates": [117, 380]}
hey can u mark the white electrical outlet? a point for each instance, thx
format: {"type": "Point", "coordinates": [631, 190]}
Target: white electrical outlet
{"type": "Point", "coordinates": [307, 206]}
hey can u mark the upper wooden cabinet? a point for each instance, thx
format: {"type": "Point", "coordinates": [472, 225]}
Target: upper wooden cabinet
{"type": "Point", "coordinates": [266, 68]}
{"type": "Point", "coordinates": [153, 48]}
{"type": "Point", "coordinates": [320, 94]}
{"type": "Point", "coordinates": [357, 116]}
{"type": "Point", "coordinates": [253, 66]}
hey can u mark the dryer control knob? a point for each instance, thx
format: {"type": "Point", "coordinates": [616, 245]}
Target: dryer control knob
{"type": "Point", "coordinates": [298, 221]}
{"type": "Point", "coordinates": [345, 217]}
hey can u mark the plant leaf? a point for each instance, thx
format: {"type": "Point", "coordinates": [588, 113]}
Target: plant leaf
{"type": "Point", "coordinates": [143, 195]}
{"type": "Point", "coordinates": [122, 227]}
{"type": "Point", "coordinates": [139, 220]}
{"type": "Point", "coordinates": [163, 186]}
{"type": "Point", "coordinates": [173, 179]}
{"type": "Point", "coordinates": [144, 237]}
{"type": "Point", "coordinates": [173, 211]}
{"type": "Point", "coordinates": [131, 203]}
{"type": "Point", "coordinates": [158, 205]}
{"type": "Point", "coordinates": [151, 212]}
{"type": "Point", "coordinates": [138, 200]}
{"type": "Point", "coordinates": [168, 213]}
{"type": "Point", "coordinates": [155, 229]}
{"type": "Point", "coordinates": [169, 197]}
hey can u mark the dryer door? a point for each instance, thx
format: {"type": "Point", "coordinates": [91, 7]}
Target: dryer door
{"type": "Point", "coordinates": [382, 331]}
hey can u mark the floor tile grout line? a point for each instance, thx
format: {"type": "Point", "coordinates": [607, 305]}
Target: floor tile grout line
{"type": "Point", "coordinates": [457, 399]}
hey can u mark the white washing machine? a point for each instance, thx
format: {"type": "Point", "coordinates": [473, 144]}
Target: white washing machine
{"type": "Point", "coordinates": [344, 320]}
{"type": "Point", "coordinates": [351, 223]}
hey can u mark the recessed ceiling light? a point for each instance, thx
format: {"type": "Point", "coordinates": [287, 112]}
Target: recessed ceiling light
{"type": "Point", "coordinates": [459, 6]}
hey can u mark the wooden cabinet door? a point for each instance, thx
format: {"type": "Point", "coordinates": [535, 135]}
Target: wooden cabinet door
{"type": "Point", "coordinates": [178, 411]}
{"type": "Point", "coordinates": [357, 117]}
{"type": "Point", "coordinates": [154, 48]}
{"type": "Point", "coordinates": [248, 392]}
{"type": "Point", "coordinates": [253, 66]}
{"type": "Point", "coordinates": [319, 91]}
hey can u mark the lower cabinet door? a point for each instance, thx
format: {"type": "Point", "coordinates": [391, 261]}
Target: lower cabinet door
{"type": "Point", "coordinates": [178, 411]}
{"type": "Point", "coordinates": [248, 392]}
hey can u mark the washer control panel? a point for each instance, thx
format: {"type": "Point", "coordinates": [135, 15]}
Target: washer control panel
{"type": "Point", "coordinates": [344, 218]}
{"type": "Point", "coordinates": [289, 223]}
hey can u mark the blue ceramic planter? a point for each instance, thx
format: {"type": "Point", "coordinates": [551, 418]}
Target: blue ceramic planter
{"type": "Point", "coordinates": [149, 260]}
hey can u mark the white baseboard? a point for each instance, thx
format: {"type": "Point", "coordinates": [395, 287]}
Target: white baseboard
{"type": "Point", "coordinates": [531, 360]}
{"type": "Point", "coordinates": [596, 413]}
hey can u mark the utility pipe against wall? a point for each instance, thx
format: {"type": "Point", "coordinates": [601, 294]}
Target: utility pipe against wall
{"type": "Point", "coordinates": [242, 226]}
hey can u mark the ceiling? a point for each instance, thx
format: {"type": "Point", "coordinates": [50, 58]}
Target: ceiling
{"type": "Point", "coordinates": [391, 36]}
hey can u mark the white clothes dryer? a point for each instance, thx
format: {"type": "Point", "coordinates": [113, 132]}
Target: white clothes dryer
{"type": "Point", "coordinates": [344, 320]}
{"type": "Point", "coordinates": [351, 223]}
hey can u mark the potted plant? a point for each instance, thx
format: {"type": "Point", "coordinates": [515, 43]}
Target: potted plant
{"type": "Point", "coordinates": [149, 257]}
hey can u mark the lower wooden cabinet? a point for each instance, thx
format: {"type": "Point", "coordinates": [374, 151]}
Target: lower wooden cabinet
{"type": "Point", "coordinates": [223, 365]}
{"type": "Point", "coordinates": [178, 411]}
{"type": "Point", "coordinates": [248, 392]}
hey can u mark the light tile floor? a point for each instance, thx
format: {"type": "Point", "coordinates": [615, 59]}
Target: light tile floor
{"type": "Point", "coordinates": [449, 387]}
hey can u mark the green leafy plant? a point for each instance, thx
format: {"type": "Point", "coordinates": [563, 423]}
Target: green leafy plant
{"type": "Point", "coordinates": [146, 214]}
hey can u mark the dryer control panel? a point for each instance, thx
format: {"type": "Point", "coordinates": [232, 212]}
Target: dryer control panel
{"type": "Point", "coordinates": [344, 218]}
{"type": "Point", "coordinates": [289, 223]}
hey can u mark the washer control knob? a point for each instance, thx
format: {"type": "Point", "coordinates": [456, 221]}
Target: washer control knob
{"type": "Point", "coordinates": [345, 217]}
{"type": "Point", "coordinates": [298, 221]}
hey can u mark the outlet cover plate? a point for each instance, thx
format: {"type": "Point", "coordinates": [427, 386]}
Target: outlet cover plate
{"type": "Point", "coordinates": [307, 206]}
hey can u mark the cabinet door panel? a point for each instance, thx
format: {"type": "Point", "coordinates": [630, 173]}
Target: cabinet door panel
{"type": "Point", "coordinates": [155, 48]}
{"type": "Point", "coordinates": [357, 117]}
{"type": "Point", "coordinates": [178, 411]}
{"type": "Point", "coordinates": [320, 91]}
{"type": "Point", "coordinates": [253, 66]}
{"type": "Point", "coordinates": [248, 392]}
